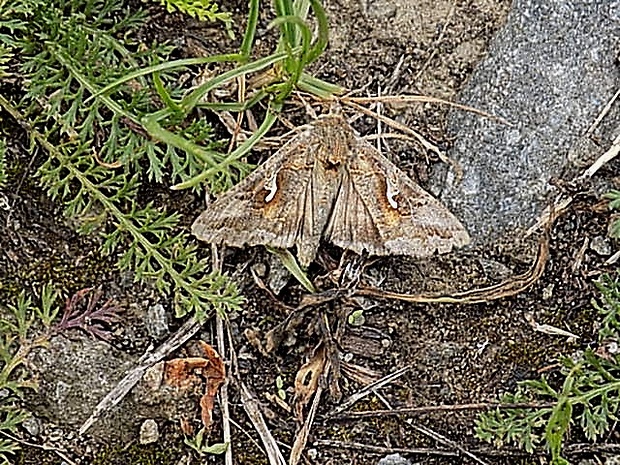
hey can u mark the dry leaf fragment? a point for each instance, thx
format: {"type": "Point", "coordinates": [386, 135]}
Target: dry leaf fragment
{"type": "Point", "coordinates": [185, 372]}
{"type": "Point", "coordinates": [307, 381]}
{"type": "Point", "coordinates": [215, 375]}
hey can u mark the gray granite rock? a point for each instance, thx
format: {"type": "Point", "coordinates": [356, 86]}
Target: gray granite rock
{"type": "Point", "coordinates": [75, 374]}
{"type": "Point", "coordinates": [549, 72]}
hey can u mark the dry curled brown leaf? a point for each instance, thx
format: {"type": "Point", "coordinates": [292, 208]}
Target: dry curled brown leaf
{"type": "Point", "coordinates": [307, 381]}
{"type": "Point", "coordinates": [185, 372]}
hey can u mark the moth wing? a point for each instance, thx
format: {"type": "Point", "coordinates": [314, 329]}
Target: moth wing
{"type": "Point", "coordinates": [271, 206]}
{"type": "Point", "coordinates": [380, 209]}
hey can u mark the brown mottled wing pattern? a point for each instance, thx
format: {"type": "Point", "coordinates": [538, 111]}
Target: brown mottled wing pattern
{"type": "Point", "coordinates": [380, 209]}
{"type": "Point", "coordinates": [272, 206]}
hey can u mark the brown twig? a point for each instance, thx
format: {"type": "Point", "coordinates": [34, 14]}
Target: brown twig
{"type": "Point", "coordinates": [221, 347]}
{"type": "Point", "coordinates": [366, 390]}
{"type": "Point", "coordinates": [441, 408]}
{"type": "Point", "coordinates": [602, 114]}
{"type": "Point", "coordinates": [59, 452]}
{"type": "Point", "coordinates": [507, 288]}
{"type": "Point", "coordinates": [572, 449]}
{"type": "Point", "coordinates": [301, 438]}
{"type": "Point", "coordinates": [385, 450]}
{"type": "Point", "coordinates": [250, 404]}
{"type": "Point", "coordinates": [134, 375]}
{"type": "Point", "coordinates": [406, 99]}
{"type": "Point", "coordinates": [446, 442]}
{"type": "Point", "coordinates": [396, 125]}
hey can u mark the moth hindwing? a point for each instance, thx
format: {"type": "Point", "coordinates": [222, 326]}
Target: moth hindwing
{"type": "Point", "coordinates": [327, 183]}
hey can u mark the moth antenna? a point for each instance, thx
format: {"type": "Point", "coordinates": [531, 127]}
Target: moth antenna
{"type": "Point", "coordinates": [335, 109]}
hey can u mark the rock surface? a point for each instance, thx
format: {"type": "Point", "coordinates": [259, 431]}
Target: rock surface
{"type": "Point", "coordinates": [75, 374]}
{"type": "Point", "coordinates": [549, 72]}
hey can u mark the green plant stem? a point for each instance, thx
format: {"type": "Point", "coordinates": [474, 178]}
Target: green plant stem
{"type": "Point", "coordinates": [250, 30]}
{"type": "Point", "coordinates": [323, 36]}
{"type": "Point", "coordinates": [123, 220]}
{"type": "Point", "coordinates": [325, 90]}
{"type": "Point", "coordinates": [67, 62]}
{"type": "Point", "coordinates": [190, 101]}
{"type": "Point", "coordinates": [588, 396]}
{"type": "Point", "coordinates": [167, 66]}
{"type": "Point", "coordinates": [270, 118]}
{"type": "Point", "coordinates": [295, 65]}
{"type": "Point", "coordinates": [287, 32]}
{"type": "Point", "coordinates": [151, 125]}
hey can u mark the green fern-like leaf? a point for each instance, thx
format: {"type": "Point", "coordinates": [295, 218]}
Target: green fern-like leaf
{"type": "Point", "coordinates": [203, 10]}
{"type": "Point", "coordinates": [98, 155]}
{"type": "Point", "coordinates": [589, 395]}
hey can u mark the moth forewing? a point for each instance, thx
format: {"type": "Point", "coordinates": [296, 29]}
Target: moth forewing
{"type": "Point", "coordinates": [406, 220]}
{"type": "Point", "coordinates": [328, 183]}
{"type": "Point", "coordinates": [267, 207]}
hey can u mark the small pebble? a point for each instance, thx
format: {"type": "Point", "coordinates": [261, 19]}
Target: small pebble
{"type": "Point", "coordinates": [32, 425]}
{"type": "Point", "coordinates": [149, 432]}
{"type": "Point", "coordinates": [260, 269]}
{"type": "Point", "coordinates": [156, 321]}
{"type": "Point", "coordinates": [154, 376]}
{"type": "Point", "coordinates": [279, 275]}
{"type": "Point", "coordinates": [547, 292]}
{"type": "Point", "coordinates": [601, 245]}
{"type": "Point", "coordinates": [394, 459]}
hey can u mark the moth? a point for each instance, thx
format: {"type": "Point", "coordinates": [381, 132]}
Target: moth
{"type": "Point", "coordinates": [329, 184]}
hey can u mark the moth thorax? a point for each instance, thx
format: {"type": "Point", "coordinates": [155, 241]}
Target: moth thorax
{"type": "Point", "coordinates": [335, 153]}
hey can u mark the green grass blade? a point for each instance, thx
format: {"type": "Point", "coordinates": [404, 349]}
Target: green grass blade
{"type": "Point", "coordinates": [164, 94]}
{"type": "Point", "coordinates": [290, 263]}
{"type": "Point", "coordinates": [323, 89]}
{"type": "Point", "coordinates": [193, 98]}
{"type": "Point", "coordinates": [209, 157]}
{"type": "Point", "coordinates": [250, 30]}
{"type": "Point", "coordinates": [301, 8]}
{"type": "Point", "coordinates": [167, 66]}
{"type": "Point", "coordinates": [323, 36]}
{"type": "Point", "coordinates": [244, 148]}
{"type": "Point", "coordinates": [288, 35]}
{"type": "Point", "coordinates": [295, 64]}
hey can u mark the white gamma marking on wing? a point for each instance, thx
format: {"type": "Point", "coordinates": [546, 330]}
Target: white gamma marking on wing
{"type": "Point", "coordinates": [272, 186]}
{"type": "Point", "coordinates": [392, 191]}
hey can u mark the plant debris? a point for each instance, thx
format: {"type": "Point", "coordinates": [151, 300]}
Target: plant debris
{"type": "Point", "coordinates": [90, 318]}
{"type": "Point", "coordinates": [184, 372]}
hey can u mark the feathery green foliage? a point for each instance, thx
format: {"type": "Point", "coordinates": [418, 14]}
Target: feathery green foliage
{"type": "Point", "coordinates": [111, 114]}
{"type": "Point", "coordinates": [17, 323]}
{"type": "Point", "coordinates": [588, 395]}
{"type": "Point", "coordinates": [97, 155]}
{"type": "Point", "coordinates": [204, 10]}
